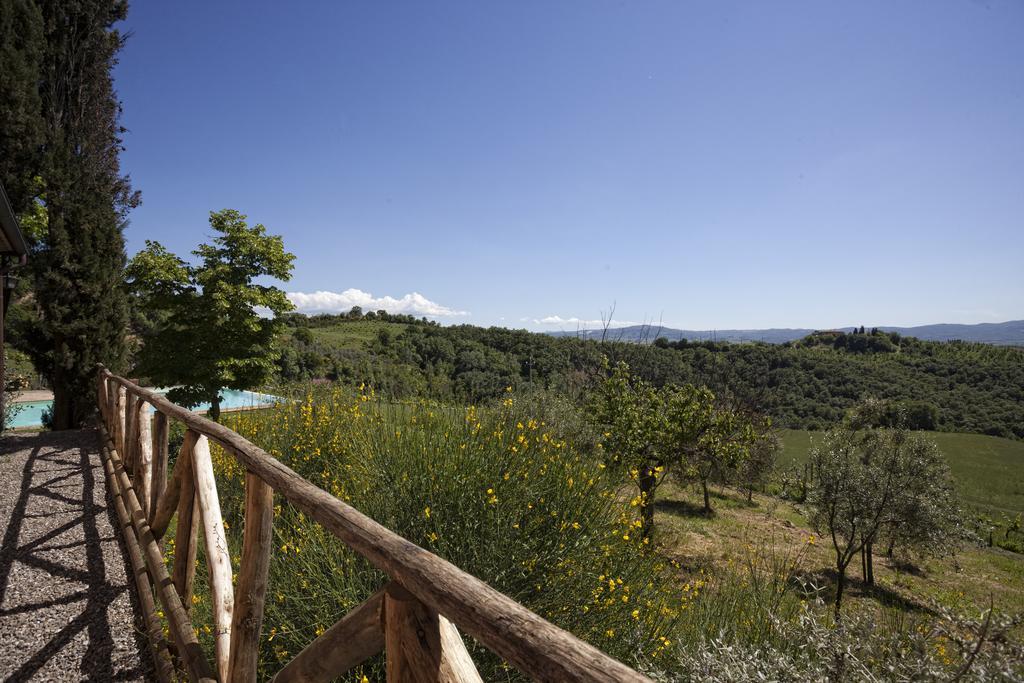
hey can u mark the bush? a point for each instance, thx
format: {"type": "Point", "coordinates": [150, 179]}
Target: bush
{"type": "Point", "coordinates": [8, 393]}
{"type": "Point", "coordinates": [496, 492]}
{"type": "Point", "coordinates": [862, 648]}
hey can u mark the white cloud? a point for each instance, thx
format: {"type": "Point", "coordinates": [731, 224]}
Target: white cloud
{"type": "Point", "coordinates": [340, 302]}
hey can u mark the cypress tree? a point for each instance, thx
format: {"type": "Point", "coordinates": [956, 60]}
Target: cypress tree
{"type": "Point", "coordinates": [78, 261]}
{"type": "Point", "coordinates": [21, 125]}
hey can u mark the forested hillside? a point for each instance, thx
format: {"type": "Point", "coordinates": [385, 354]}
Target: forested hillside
{"type": "Point", "coordinates": [807, 384]}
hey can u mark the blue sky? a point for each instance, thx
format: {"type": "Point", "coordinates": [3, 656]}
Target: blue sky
{"type": "Point", "coordinates": [709, 164]}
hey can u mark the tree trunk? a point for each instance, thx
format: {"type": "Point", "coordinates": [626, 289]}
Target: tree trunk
{"type": "Point", "coordinates": [840, 585]}
{"type": "Point", "coordinates": [707, 496]}
{"type": "Point", "coordinates": [647, 482]}
{"type": "Point", "coordinates": [214, 412]}
{"type": "Point", "coordinates": [863, 564]}
{"type": "Point", "coordinates": [63, 407]}
{"type": "Point", "coordinates": [869, 557]}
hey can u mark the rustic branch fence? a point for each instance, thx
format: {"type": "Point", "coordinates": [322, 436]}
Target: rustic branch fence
{"type": "Point", "coordinates": [414, 620]}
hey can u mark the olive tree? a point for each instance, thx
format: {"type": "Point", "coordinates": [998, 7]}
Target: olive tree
{"type": "Point", "coordinates": [762, 455]}
{"type": "Point", "coordinates": [867, 483]}
{"type": "Point", "coordinates": [926, 518]}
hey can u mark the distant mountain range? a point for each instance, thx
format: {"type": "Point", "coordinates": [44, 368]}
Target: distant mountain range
{"type": "Point", "coordinates": [1008, 333]}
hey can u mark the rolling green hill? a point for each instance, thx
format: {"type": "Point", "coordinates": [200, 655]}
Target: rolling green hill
{"type": "Point", "coordinates": [989, 471]}
{"type": "Point", "coordinates": [807, 384]}
{"type": "Point", "coordinates": [1007, 333]}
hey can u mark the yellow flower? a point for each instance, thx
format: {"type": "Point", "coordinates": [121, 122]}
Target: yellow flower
{"type": "Point", "coordinates": [426, 512]}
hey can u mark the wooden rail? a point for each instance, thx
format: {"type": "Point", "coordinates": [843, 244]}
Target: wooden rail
{"type": "Point", "coordinates": [414, 620]}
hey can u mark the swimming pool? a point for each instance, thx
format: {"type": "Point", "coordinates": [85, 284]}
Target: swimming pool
{"type": "Point", "coordinates": [30, 414]}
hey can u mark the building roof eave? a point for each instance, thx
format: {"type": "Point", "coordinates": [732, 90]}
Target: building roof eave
{"type": "Point", "coordinates": [11, 231]}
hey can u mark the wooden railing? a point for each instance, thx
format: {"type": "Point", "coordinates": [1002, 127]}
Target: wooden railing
{"type": "Point", "coordinates": [414, 619]}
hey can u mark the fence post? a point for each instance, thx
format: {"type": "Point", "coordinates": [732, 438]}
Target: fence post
{"type": "Point", "coordinates": [101, 396]}
{"type": "Point", "coordinates": [187, 535]}
{"type": "Point", "coordinates": [251, 591]}
{"type": "Point", "coordinates": [143, 448]}
{"type": "Point", "coordinates": [111, 423]}
{"type": "Point", "coordinates": [130, 430]}
{"type": "Point", "coordinates": [120, 400]}
{"type": "Point", "coordinates": [218, 558]}
{"type": "Point", "coordinates": [412, 638]}
{"type": "Point", "coordinates": [159, 477]}
{"type": "Point", "coordinates": [420, 645]}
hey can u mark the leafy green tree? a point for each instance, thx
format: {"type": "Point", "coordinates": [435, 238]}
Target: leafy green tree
{"type": "Point", "coordinates": [630, 416]}
{"type": "Point", "coordinates": [709, 438]}
{"type": "Point", "coordinates": [207, 332]}
{"type": "Point", "coordinates": [650, 433]}
{"type": "Point", "coordinates": [304, 335]}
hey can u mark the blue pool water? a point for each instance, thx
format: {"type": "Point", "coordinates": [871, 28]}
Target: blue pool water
{"type": "Point", "coordinates": [31, 412]}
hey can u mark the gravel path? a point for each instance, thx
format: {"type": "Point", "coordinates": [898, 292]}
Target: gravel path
{"type": "Point", "coordinates": [66, 611]}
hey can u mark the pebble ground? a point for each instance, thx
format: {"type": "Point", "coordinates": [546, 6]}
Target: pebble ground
{"type": "Point", "coordinates": [67, 612]}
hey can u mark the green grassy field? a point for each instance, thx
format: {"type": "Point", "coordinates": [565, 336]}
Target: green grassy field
{"type": "Point", "coordinates": [354, 335]}
{"type": "Point", "coordinates": [967, 580]}
{"type": "Point", "coordinates": [989, 471]}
